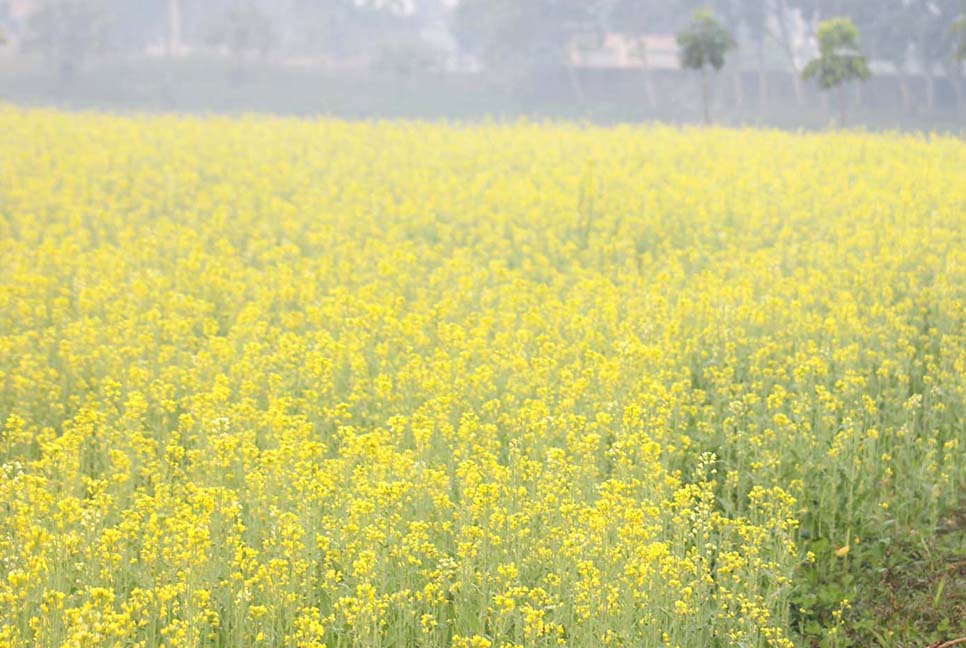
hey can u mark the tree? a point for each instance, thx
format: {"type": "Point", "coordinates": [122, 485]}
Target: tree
{"type": "Point", "coordinates": [173, 36]}
{"type": "Point", "coordinates": [928, 24]}
{"type": "Point", "coordinates": [839, 60]}
{"type": "Point", "coordinates": [634, 19]}
{"type": "Point", "coordinates": [704, 43]}
{"type": "Point", "coordinates": [954, 65]}
{"type": "Point", "coordinates": [900, 31]}
{"type": "Point", "coordinates": [4, 15]}
{"type": "Point", "coordinates": [510, 36]}
{"type": "Point", "coordinates": [782, 13]}
{"type": "Point", "coordinates": [243, 29]}
{"type": "Point", "coordinates": [405, 58]}
{"type": "Point", "coordinates": [753, 19]}
{"type": "Point", "coordinates": [732, 14]}
{"type": "Point", "coordinates": [887, 36]}
{"type": "Point", "coordinates": [754, 15]}
{"type": "Point", "coordinates": [68, 32]}
{"type": "Point", "coordinates": [813, 12]}
{"type": "Point", "coordinates": [346, 29]}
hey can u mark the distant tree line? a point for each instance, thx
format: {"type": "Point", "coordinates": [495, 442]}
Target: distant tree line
{"type": "Point", "coordinates": [69, 32]}
{"type": "Point", "coordinates": [829, 42]}
{"type": "Point", "coordinates": [917, 37]}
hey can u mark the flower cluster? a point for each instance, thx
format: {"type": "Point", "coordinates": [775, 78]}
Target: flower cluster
{"type": "Point", "coordinates": [313, 383]}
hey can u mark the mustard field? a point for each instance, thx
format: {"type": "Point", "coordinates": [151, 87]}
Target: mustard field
{"type": "Point", "coordinates": [270, 382]}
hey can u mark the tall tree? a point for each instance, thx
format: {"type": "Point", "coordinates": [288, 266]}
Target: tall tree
{"type": "Point", "coordinates": [959, 28]}
{"type": "Point", "coordinates": [243, 29]}
{"type": "Point", "coordinates": [754, 19]}
{"type": "Point", "coordinates": [704, 44]}
{"type": "Point", "coordinates": [635, 19]}
{"type": "Point", "coordinates": [934, 43]}
{"type": "Point", "coordinates": [782, 13]}
{"type": "Point", "coordinates": [513, 35]}
{"type": "Point", "coordinates": [173, 40]}
{"type": "Point", "coordinates": [68, 32]}
{"type": "Point", "coordinates": [902, 32]}
{"type": "Point", "coordinates": [887, 37]}
{"type": "Point", "coordinates": [954, 64]}
{"type": "Point", "coordinates": [755, 15]}
{"type": "Point", "coordinates": [343, 29]}
{"type": "Point", "coordinates": [731, 13]}
{"type": "Point", "coordinates": [839, 61]}
{"type": "Point", "coordinates": [814, 12]}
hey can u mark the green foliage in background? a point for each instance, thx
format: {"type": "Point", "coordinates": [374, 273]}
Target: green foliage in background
{"type": "Point", "coordinates": [960, 28]}
{"type": "Point", "coordinates": [840, 61]}
{"type": "Point", "coordinates": [242, 29]}
{"type": "Point", "coordinates": [67, 32]}
{"type": "Point", "coordinates": [704, 43]}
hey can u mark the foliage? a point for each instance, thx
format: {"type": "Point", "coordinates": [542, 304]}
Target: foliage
{"type": "Point", "coordinates": [405, 58]}
{"type": "Point", "coordinates": [839, 59]}
{"type": "Point", "coordinates": [929, 25]}
{"type": "Point", "coordinates": [704, 42]}
{"type": "Point", "coordinates": [509, 33]}
{"type": "Point", "coordinates": [637, 17]}
{"type": "Point", "coordinates": [348, 28]}
{"type": "Point", "coordinates": [243, 28]}
{"type": "Point", "coordinates": [67, 32]}
{"type": "Point", "coordinates": [303, 383]}
{"type": "Point", "coordinates": [959, 28]}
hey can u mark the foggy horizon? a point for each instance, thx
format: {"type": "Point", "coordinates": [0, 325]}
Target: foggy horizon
{"type": "Point", "coordinates": [603, 60]}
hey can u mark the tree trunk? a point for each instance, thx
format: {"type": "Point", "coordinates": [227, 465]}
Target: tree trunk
{"type": "Point", "coordinates": [738, 88]}
{"type": "Point", "coordinates": [843, 101]}
{"type": "Point", "coordinates": [575, 84]}
{"type": "Point", "coordinates": [930, 87]}
{"type": "Point", "coordinates": [955, 76]}
{"type": "Point", "coordinates": [762, 77]}
{"type": "Point", "coordinates": [649, 91]}
{"type": "Point", "coordinates": [905, 93]}
{"type": "Point", "coordinates": [174, 27]}
{"type": "Point", "coordinates": [797, 83]}
{"type": "Point", "coordinates": [66, 71]}
{"type": "Point", "coordinates": [706, 95]}
{"type": "Point", "coordinates": [786, 42]}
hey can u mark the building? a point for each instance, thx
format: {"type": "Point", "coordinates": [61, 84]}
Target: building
{"type": "Point", "coordinates": [619, 51]}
